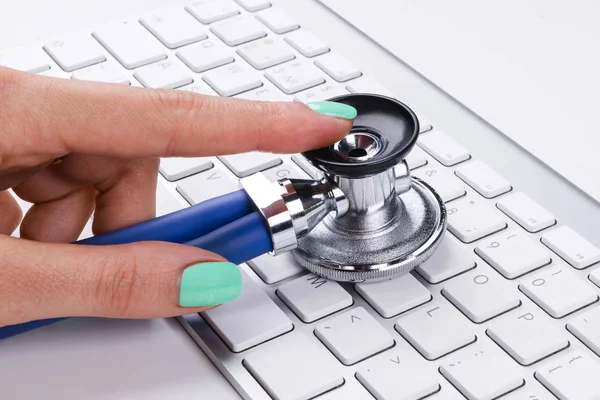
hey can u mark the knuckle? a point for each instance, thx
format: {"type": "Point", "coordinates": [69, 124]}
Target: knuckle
{"type": "Point", "coordinates": [177, 108]}
{"type": "Point", "coordinates": [118, 284]}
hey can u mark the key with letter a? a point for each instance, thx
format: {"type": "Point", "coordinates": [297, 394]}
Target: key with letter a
{"type": "Point", "coordinates": [312, 297]}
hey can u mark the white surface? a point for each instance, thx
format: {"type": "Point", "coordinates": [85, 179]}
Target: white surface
{"type": "Point", "coordinates": [528, 68]}
{"type": "Point", "coordinates": [108, 359]}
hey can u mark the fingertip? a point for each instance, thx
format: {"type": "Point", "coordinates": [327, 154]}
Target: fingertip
{"type": "Point", "coordinates": [333, 109]}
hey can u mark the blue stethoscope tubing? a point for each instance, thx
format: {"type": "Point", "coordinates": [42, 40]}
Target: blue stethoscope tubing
{"type": "Point", "coordinates": [228, 225]}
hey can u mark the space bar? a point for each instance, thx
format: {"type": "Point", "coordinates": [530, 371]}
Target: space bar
{"type": "Point", "coordinates": [236, 322]}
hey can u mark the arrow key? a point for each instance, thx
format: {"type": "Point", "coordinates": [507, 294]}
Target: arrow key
{"type": "Point", "coordinates": [345, 335]}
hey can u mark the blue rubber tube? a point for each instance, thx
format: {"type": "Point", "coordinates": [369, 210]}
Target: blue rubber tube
{"type": "Point", "coordinates": [183, 225]}
{"type": "Point", "coordinates": [238, 241]}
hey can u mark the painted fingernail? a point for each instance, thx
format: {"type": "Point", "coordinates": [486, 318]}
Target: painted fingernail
{"type": "Point", "coordinates": [333, 109]}
{"type": "Point", "coordinates": [209, 284]}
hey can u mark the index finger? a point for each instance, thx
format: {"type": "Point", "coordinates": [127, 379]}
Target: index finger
{"type": "Point", "coordinates": [121, 121]}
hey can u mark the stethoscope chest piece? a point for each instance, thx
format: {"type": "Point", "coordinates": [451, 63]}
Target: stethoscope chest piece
{"type": "Point", "coordinates": [393, 221]}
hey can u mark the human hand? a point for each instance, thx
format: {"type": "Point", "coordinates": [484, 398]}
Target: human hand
{"type": "Point", "coordinates": [108, 139]}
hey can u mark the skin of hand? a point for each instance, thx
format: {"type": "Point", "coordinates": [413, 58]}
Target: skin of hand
{"type": "Point", "coordinates": [108, 139]}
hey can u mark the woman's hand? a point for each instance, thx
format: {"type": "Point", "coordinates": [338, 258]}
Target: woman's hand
{"type": "Point", "coordinates": [74, 148]}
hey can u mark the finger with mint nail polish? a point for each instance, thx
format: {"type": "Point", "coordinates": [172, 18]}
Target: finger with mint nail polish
{"type": "Point", "coordinates": [135, 281]}
{"type": "Point", "coordinates": [209, 284]}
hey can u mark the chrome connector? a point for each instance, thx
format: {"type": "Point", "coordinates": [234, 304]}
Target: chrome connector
{"type": "Point", "coordinates": [293, 207]}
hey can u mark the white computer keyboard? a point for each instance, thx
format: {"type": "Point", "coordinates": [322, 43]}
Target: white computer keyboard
{"type": "Point", "coordinates": [507, 308]}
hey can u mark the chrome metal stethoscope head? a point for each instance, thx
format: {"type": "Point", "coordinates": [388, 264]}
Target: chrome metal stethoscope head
{"type": "Point", "coordinates": [393, 221]}
{"type": "Point", "coordinates": [367, 219]}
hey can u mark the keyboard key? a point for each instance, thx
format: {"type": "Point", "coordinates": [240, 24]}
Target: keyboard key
{"type": "Point", "coordinates": [285, 170]}
{"type": "Point", "coordinates": [295, 76]}
{"type": "Point", "coordinates": [307, 167]}
{"type": "Point", "coordinates": [238, 30]}
{"type": "Point", "coordinates": [266, 92]}
{"type": "Point", "coordinates": [443, 148]}
{"type": "Point", "coordinates": [482, 372]}
{"type": "Point", "coordinates": [595, 277]}
{"type": "Point", "coordinates": [526, 212]}
{"type": "Point", "coordinates": [398, 375]}
{"type": "Point", "coordinates": [350, 390]}
{"type": "Point", "coordinates": [205, 55]}
{"type": "Point", "coordinates": [481, 294]}
{"type": "Point", "coordinates": [209, 11]}
{"type": "Point", "coordinates": [174, 27]}
{"type": "Point", "coordinates": [513, 253]}
{"type": "Point", "coordinates": [312, 297]}
{"type": "Point", "coordinates": [531, 391]}
{"type": "Point", "coordinates": [294, 367]}
{"type": "Point", "coordinates": [450, 259]}
{"type": "Point", "coordinates": [163, 75]}
{"type": "Point", "coordinates": [273, 269]}
{"type": "Point", "coordinates": [338, 67]}
{"type": "Point", "coordinates": [199, 87]}
{"type": "Point", "coordinates": [527, 335]}
{"type": "Point", "coordinates": [232, 79]}
{"type": "Point", "coordinates": [166, 201]}
{"type": "Point", "coordinates": [394, 296]}
{"type": "Point", "coordinates": [130, 44]}
{"type": "Point", "coordinates": [572, 376]}
{"type": "Point", "coordinates": [106, 72]}
{"type": "Point", "coordinates": [75, 52]}
{"type": "Point", "coordinates": [205, 185]}
{"type": "Point", "coordinates": [470, 219]}
{"type": "Point", "coordinates": [26, 59]}
{"type": "Point", "coordinates": [483, 179]}
{"type": "Point", "coordinates": [571, 247]}
{"type": "Point", "coordinates": [445, 183]}
{"type": "Point", "coordinates": [307, 43]}
{"type": "Point", "coordinates": [422, 328]}
{"type": "Point", "coordinates": [345, 336]}
{"type": "Point", "coordinates": [254, 5]}
{"type": "Point", "coordinates": [277, 20]}
{"type": "Point", "coordinates": [586, 327]}
{"type": "Point", "coordinates": [265, 53]}
{"type": "Point", "coordinates": [559, 291]}
{"type": "Point", "coordinates": [235, 322]}
{"type": "Point", "coordinates": [175, 168]}
{"type": "Point", "coordinates": [416, 158]}
{"type": "Point", "coordinates": [320, 93]}
{"type": "Point", "coordinates": [245, 164]}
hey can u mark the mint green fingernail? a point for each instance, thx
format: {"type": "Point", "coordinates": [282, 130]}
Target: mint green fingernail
{"type": "Point", "coordinates": [209, 284]}
{"type": "Point", "coordinates": [333, 109]}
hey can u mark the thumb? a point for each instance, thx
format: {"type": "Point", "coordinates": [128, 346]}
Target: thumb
{"type": "Point", "coordinates": [139, 280]}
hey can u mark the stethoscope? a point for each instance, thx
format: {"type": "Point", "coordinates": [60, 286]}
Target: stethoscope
{"type": "Point", "coordinates": [366, 220]}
